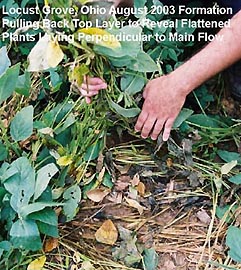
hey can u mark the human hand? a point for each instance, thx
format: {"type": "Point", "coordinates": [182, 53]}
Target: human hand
{"type": "Point", "coordinates": [91, 87]}
{"type": "Point", "coordinates": [164, 98]}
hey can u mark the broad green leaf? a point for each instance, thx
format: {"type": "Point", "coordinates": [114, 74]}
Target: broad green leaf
{"type": "Point", "coordinates": [48, 229]}
{"type": "Point", "coordinates": [20, 183]}
{"type": "Point", "coordinates": [22, 124]}
{"type": "Point", "coordinates": [143, 63]}
{"type": "Point", "coordinates": [4, 60]}
{"type": "Point", "coordinates": [226, 168]}
{"type": "Point", "coordinates": [8, 82]}
{"type": "Point", "coordinates": [132, 84]}
{"type": "Point", "coordinates": [173, 54]}
{"type": "Point", "coordinates": [35, 207]}
{"type": "Point", "coordinates": [150, 259]}
{"type": "Point", "coordinates": [23, 85]}
{"type": "Point", "coordinates": [4, 246]}
{"type": "Point", "coordinates": [128, 48]}
{"type": "Point", "coordinates": [139, 3]}
{"type": "Point", "coordinates": [37, 264]}
{"type": "Point", "coordinates": [233, 241]}
{"type": "Point", "coordinates": [44, 175]}
{"type": "Point", "coordinates": [24, 234]}
{"type": "Point", "coordinates": [205, 121]}
{"type": "Point", "coordinates": [124, 112]}
{"type": "Point", "coordinates": [46, 215]}
{"type": "Point", "coordinates": [72, 198]}
{"type": "Point", "coordinates": [236, 179]}
{"type": "Point", "coordinates": [229, 156]}
{"type": "Point", "coordinates": [183, 116]}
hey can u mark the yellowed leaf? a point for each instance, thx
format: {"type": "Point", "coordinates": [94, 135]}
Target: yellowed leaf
{"type": "Point", "coordinates": [50, 244]}
{"type": "Point", "coordinates": [107, 233]}
{"type": "Point", "coordinates": [100, 37]}
{"type": "Point", "coordinates": [37, 264]}
{"type": "Point", "coordinates": [54, 53]}
{"type": "Point", "coordinates": [45, 54]}
{"type": "Point", "coordinates": [64, 161]}
{"type": "Point", "coordinates": [141, 188]}
{"type": "Point", "coordinates": [136, 205]}
{"type": "Point", "coordinates": [226, 168]}
{"type": "Point", "coordinates": [98, 194]}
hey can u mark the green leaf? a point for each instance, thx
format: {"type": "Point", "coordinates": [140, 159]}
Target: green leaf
{"type": "Point", "coordinates": [46, 215]}
{"type": "Point", "coordinates": [205, 121]}
{"type": "Point", "coordinates": [8, 82]}
{"type": "Point", "coordinates": [44, 175]}
{"type": "Point", "coordinates": [72, 196]}
{"type": "Point", "coordinates": [183, 116]}
{"type": "Point", "coordinates": [143, 63]}
{"type": "Point", "coordinates": [67, 123]}
{"type": "Point", "coordinates": [23, 85]}
{"type": "Point", "coordinates": [48, 229]}
{"type": "Point", "coordinates": [4, 60]}
{"type": "Point", "coordinates": [236, 179]}
{"type": "Point", "coordinates": [226, 210]}
{"type": "Point", "coordinates": [233, 241]}
{"type": "Point", "coordinates": [4, 246]}
{"type": "Point", "coordinates": [3, 152]}
{"type": "Point", "coordinates": [93, 151]}
{"type": "Point", "coordinates": [22, 124]}
{"type": "Point", "coordinates": [173, 54]}
{"type": "Point", "coordinates": [229, 156]}
{"type": "Point", "coordinates": [128, 48]}
{"type": "Point", "coordinates": [128, 113]}
{"type": "Point", "coordinates": [20, 183]}
{"type": "Point", "coordinates": [35, 207]}
{"type": "Point", "coordinates": [132, 83]}
{"type": "Point", "coordinates": [150, 259]}
{"type": "Point", "coordinates": [24, 234]}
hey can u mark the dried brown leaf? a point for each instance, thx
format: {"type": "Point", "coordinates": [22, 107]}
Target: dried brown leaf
{"type": "Point", "coordinates": [141, 188]}
{"type": "Point", "coordinates": [136, 180]}
{"type": "Point", "coordinates": [98, 194]}
{"type": "Point", "coordinates": [136, 205]}
{"type": "Point", "coordinates": [50, 244]}
{"type": "Point", "coordinates": [203, 216]}
{"type": "Point", "coordinates": [107, 233]}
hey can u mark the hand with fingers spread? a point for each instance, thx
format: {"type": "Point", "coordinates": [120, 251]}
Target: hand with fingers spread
{"type": "Point", "coordinates": [163, 102]}
{"type": "Point", "coordinates": [91, 87]}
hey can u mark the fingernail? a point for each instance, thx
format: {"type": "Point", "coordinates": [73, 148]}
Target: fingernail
{"type": "Point", "coordinates": [165, 138]}
{"type": "Point", "coordinates": [104, 85]}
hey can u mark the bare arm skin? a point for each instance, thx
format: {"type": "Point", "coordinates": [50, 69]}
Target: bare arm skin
{"type": "Point", "coordinates": [165, 96]}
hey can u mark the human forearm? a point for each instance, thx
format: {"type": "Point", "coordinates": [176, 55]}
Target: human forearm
{"type": "Point", "coordinates": [215, 57]}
